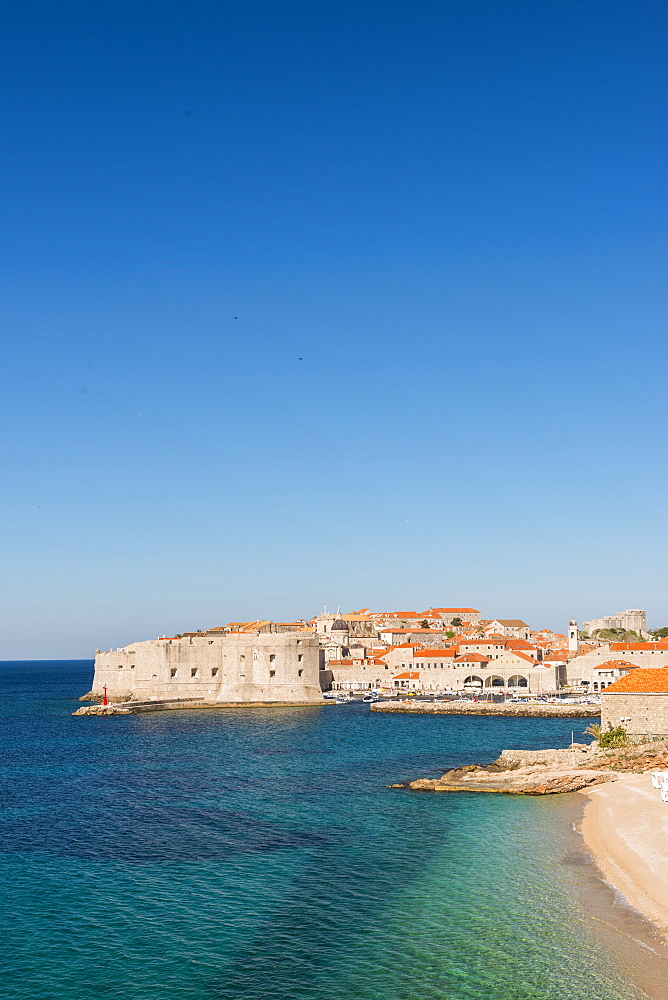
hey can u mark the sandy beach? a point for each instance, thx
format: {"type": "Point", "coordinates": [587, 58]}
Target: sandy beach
{"type": "Point", "coordinates": [625, 827]}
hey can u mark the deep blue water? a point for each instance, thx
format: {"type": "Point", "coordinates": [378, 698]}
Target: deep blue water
{"type": "Point", "coordinates": [259, 854]}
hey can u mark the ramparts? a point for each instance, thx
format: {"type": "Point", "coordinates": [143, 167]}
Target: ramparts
{"type": "Point", "coordinates": [237, 668]}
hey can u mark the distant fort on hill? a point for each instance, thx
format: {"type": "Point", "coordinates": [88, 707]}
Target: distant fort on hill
{"type": "Point", "coordinates": [438, 650]}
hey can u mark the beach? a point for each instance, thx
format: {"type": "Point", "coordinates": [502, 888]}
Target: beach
{"type": "Point", "coordinates": [625, 827]}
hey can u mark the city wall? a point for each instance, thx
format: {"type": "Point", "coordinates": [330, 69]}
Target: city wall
{"type": "Point", "coordinates": [239, 668]}
{"type": "Point", "coordinates": [639, 714]}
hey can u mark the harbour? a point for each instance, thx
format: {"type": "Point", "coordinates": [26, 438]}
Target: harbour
{"type": "Point", "coordinates": [186, 854]}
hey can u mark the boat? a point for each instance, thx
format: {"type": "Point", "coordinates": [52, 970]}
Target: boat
{"type": "Point", "coordinates": [370, 698]}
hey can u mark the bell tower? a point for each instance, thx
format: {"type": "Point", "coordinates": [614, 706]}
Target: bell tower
{"type": "Point", "coordinates": [573, 637]}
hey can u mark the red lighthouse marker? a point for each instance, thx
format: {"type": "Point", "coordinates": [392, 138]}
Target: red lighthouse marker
{"type": "Point", "coordinates": [104, 700]}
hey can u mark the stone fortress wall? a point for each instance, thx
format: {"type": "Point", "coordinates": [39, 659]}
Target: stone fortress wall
{"type": "Point", "coordinates": [634, 620]}
{"type": "Point", "coordinates": [237, 668]}
{"type": "Point", "coordinates": [639, 714]}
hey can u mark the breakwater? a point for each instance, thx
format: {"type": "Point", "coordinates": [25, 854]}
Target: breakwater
{"type": "Point", "coordinates": [539, 710]}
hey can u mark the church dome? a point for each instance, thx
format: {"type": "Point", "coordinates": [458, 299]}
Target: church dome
{"type": "Point", "coordinates": [340, 626]}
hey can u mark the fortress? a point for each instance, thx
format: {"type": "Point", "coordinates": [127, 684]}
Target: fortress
{"type": "Point", "coordinates": [444, 650]}
{"type": "Point", "coordinates": [210, 668]}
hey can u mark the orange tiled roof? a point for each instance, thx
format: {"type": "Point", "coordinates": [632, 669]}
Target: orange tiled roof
{"type": "Point", "coordinates": [650, 680]}
{"type": "Point", "coordinates": [629, 646]}
{"type": "Point", "coordinates": [408, 675]}
{"type": "Point", "coordinates": [393, 628]}
{"type": "Point", "coordinates": [617, 665]}
{"type": "Point", "coordinates": [447, 651]}
{"type": "Point", "coordinates": [486, 640]}
{"type": "Point", "coordinates": [472, 658]}
{"type": "Point", "coordinates": [451, 610]}
{"type": "Point", "coordinates": [523, 656]}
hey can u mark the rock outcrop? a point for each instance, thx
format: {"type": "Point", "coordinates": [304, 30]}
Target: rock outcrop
{"type": "Point", "coordinates": [101, 710]}
{"type": "Point", "coordinates": [526, 772]}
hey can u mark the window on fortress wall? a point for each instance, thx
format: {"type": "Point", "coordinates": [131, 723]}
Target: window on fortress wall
{"type": "Point", "coordinates": [214, 671]}
{"type": "Point", "coordinates": [272, 673]}
{"type": "Point", "coordinates": [299, 673]}
{"type": "Point", "coordinates": [272, 657]}
{"type": "Point", "coordinates": [174, 672]}
{"type": "Point", "coordinates": [255, 654]}
{"type": "Point", "coordinates": [242, 658]}
{"type": "Point", "coordinates": [300, 657]}
{"type": "Point", "coordinates": [120, 666]}
{"type": "Point", "coordinates": [193, 672]}
{"type": "Point", "coordinates": [132, 666]}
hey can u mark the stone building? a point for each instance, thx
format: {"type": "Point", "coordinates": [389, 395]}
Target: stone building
{"type": "Point", "coordinates": [438, 669]}
{"type": "Point", "coordinates": [632, 620]}
{"type": "Point", "coordinates": [610, 671]}
{"type": "Point", "coordinates": [511, 627]}
{"type": "Point", "coordinates": [237, 668]}
{"type": "Point", "coordinates": [638, 702]}
{"type": "Point", "coordinates": [581, 669]}
{"type": "Point", "coordinates": [448, 615]}
{"type": "Point", "coordinates": [358, 624]}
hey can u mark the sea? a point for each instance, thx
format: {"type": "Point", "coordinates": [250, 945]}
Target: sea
{"type": "Point", "coordinates": [260, 854]}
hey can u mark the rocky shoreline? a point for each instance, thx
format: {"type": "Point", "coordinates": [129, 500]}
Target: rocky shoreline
{"type": "Point", "coordinates": [546, 772]}
{"type": "Point", "coordinates": [101, 710]}
{"type": "Point", "coordinates": [533, 709]}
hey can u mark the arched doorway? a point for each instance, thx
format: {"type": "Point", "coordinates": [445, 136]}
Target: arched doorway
{"type": "Point", "coordinates": [473, 682]}
{"type": "Point", "coordinates": [493, 682]}
{"type": "Point", "coordinates": [517, 681]}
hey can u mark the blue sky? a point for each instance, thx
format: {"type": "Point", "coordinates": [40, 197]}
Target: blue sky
{"type": "Point", "coordinates": [344, 303]}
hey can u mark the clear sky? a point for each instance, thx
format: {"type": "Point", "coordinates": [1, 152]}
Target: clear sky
{"type": "Point", "coordinates": [339, 302]}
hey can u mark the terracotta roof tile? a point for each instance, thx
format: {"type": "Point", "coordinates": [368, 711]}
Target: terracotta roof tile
{"type": "Point", "coordinates": [629, 646]}
{"type": "Point", "coordinates": [652, 680]}
{"type": "Point", "coordinates": [467, 611]}
{"type": "Point", "coordinates": [449, 651]}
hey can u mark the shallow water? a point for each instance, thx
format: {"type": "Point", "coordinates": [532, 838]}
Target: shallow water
{"type": "Point", "coordinates": [259, 854]}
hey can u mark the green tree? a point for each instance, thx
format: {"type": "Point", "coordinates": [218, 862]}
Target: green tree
{"type": "Point", "coordinates": [612, 739]}
{"type": "Point", "coordinates": [660, 633]}
{"type": "Point", "coordinates": [424, 623]}
{"type": "Point", "coordinates": [593, 730]}
{"type": "Point", "coordinates": [456, 621]}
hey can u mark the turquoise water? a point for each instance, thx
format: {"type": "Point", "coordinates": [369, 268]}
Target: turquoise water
{"type": "Point", "coordinates": [259, 854]}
